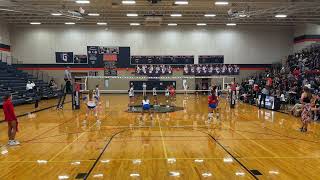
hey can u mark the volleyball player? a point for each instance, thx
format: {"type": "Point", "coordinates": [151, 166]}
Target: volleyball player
{"type": "Point", "coordinates": [145, 105]}
{"type": "Point", "coordinates": [12, 120]}
{"type": "Point", "coordinates": [97, 92]}
{"type": "Point", "coordinates": [172, 92]}
{"type": "Point", "coordinates": [91, 102]}
{"type": "Point", "coordinates": [131, 96]}
{"type": "Point", "coordinates": [212, 104]}
{"type": "Point", "coordinates": [185, 87]}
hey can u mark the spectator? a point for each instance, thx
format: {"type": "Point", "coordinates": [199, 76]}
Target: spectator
{"type": "Point", "coordinates": [306, 111]}
{"type": "Point", "coordinates": [52, 84]}
{"type": "Point", "coordinates": [29, 87]}
{"type": "Point", "coordinates": [264, 93]}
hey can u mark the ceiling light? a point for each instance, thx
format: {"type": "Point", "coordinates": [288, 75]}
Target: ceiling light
{"type": "Point", "coordinates": [221, 3]}
{"type": "Point", "coordinates": [201, 24]}
{"type": "Point", "coordinates": [172, 24]}
{"type": "Point", "coordinates": [35, 23]}
{"type": "Point", "coordinates": [56, 14]}
{"type": "Point", "coordinates": [101, 23]}
{"type": "Point", "coordinates": [69, 23]}
{"type": "Point", "coordinates": [132, 15]}
{"type": "Point", "coordinates": [280, 16]}
{"type": "Point", "coordinates": [231, 24]}
{"type": "Point", "coordinates": [242, 15]}
{"type": "Point", "coordinates": [134, 24]}
{"type": "Point", "coordinates": [82, 2]}
{"type": "Point", "coordinates": [128, 2]}
{"type": "Point", "coordinates": [93, 14]}
{"type": "Point", "coordinates": [210, 15]}
{"type": "Point", "coordinates": [181, 2]}
{"type": "Point", "coordinates": [175, 15]}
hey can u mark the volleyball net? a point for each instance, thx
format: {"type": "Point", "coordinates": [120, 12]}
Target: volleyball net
{"type": "Point", "coordinates": [181, 84]}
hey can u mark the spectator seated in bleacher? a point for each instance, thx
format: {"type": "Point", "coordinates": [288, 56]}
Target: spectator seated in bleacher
{"type": "Point", "coordinates": [29, 87]}
{"type": "Point", "coordinates": [52, 84]}
{"type": "Point", "coordinates": [287, 80]}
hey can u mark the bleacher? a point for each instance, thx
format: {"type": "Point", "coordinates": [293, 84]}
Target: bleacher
{"type": "Point", "coordinates": [14, 81]}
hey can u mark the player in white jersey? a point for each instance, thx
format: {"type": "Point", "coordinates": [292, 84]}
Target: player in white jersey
{"type": "Point", "coordinates": [131, 95]}
{"type": "Point", "coordinates": [91, 102]}
{"type": "Point", "coordinates": [185, 86]}
{"type": "Point", "coordinates": [144, 89]}
{"type": "Point", "coordinates": [185, 69]}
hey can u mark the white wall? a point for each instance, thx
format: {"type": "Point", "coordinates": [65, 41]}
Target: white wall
{"type": "Point", "coordinates": [4, 33]}
{"type": "Point", "coordinates": [5, 56]}
{"type": "Point", "coordinates": [239, 45]}
{"type": "Point", "coordinates": [305, 29]}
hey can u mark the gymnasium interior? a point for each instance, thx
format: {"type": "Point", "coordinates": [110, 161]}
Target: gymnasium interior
{"type": "Point", "coordinates": [159, 89]}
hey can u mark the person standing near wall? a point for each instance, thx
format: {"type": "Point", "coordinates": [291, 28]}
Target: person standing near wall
{"type": "Point", "coordinates": [67, 79]}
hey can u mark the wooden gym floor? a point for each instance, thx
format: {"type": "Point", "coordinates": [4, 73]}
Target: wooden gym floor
{"type": "Point", "coordinates": [180, 145]}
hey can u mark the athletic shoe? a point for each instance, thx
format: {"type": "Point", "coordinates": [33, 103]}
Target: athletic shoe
{"type": "Point", "coordinates": [12, 143]}
{"type": "Point", "coordinates": [9, 142]}
{"type": "Point", "coordinates": [17, 142]}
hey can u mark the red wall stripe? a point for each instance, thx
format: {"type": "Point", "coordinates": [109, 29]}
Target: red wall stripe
{"type": "Point", "coordinates": [307, 40]}
{"type": "Point", "coordinates": [5, 49]}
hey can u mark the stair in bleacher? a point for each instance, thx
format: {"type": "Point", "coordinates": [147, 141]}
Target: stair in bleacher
{"type": "Point", "coordinates": [14, 81]}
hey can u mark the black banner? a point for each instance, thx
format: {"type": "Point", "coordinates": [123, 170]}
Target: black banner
{"type": "Point", "coordinates": [211, 59]}
{"type": "Point", "coordinates": [80, 59]}
{"type": "Point", "coordinates": [64, 57]}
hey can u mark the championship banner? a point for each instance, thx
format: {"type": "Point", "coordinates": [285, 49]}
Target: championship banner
{"type": "Point", "coordinates": [93, 55]}
{"type": "Point", "coordinates": [64, 57]}
{"type": "Point", "coordinates": [108, 50]}
{"type": "Point", "coordinates": [80, 59]}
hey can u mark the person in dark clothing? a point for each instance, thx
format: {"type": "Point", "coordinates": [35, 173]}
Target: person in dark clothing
{"type": "Point", "coordinates": [264, 93]}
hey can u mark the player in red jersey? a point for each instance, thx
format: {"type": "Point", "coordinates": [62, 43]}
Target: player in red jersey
{"type": "Point", "coordinates": [212, 103]}
{"type": "Point", "coordinates": [12, 120]}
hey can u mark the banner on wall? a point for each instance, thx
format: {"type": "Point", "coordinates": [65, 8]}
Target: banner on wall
{"type": "Point", "coordinates": [64, 57]}
{"type": "Point", "coordinates": [108, 50]}
{"type": "Point", "coordinates": [211, 59]}
{"type": "Point", "coordinates": [80, 59]}
{"type": "Point", "coordinates": [110, 57]}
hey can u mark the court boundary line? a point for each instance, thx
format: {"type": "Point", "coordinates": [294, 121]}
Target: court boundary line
{"type": "Point", "coordinates": [242, 165]}
{"type": "Point", "coordinates": [102, 152]}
